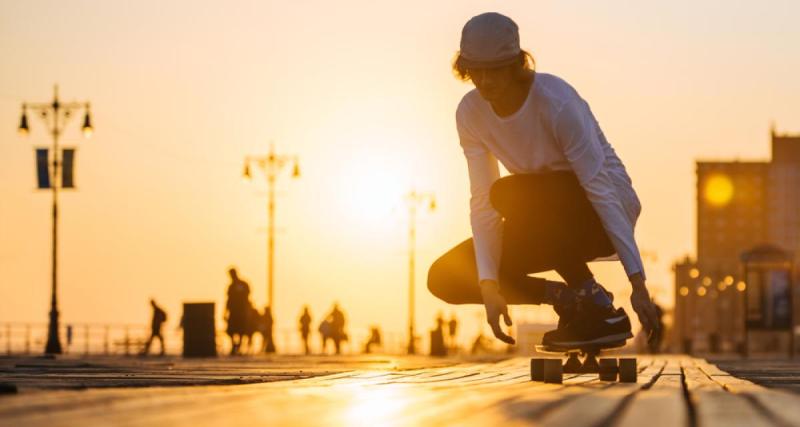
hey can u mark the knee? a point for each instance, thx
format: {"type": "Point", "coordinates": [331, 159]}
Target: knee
{"type": "Point", "coordinates": [498, 193]}
{"type": "Point", "coordinates": [504, 192]}
{"type": "Point", "coordinates": [438, 277]}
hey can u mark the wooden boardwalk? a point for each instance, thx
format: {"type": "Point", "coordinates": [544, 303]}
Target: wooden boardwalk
{"type": "Point", "coordinates": [671, 391]}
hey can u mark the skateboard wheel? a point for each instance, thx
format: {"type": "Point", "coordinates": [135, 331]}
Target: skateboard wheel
{"type": "Point", "coordinates": [627, 370]}
{"type": "Point", "coordinates": [553, 371]}
{"type": "Point", "coordinates": [608, 369]}
{"type": "Point", "coordinates": [537, 369]}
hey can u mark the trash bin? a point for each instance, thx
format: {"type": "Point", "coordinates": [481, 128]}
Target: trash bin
{"type": "Point", "coordinates": [199, 335]}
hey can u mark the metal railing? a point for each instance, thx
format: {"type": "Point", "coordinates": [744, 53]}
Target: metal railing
{"type": "Point", "coordinates": [23, 338]}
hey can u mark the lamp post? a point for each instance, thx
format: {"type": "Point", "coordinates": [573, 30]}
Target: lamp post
{"type": "Point", "coordinates": [271, 165]}
{"type": "Point", "coordinates": [55, 114]}
{"type": "Point", "coordinates": [413, 199]}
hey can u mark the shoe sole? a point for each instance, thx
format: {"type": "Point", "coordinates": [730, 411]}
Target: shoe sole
{"type": "Point", "coordinates": [552, 349]}
{"type": "Point", "coordinates": [608, 339]}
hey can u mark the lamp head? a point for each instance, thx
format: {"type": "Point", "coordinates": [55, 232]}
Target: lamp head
{"type": "Point", "coordinates": [23, 123]}
{"type": "Point", "coordinates": [296, 170]}
{"type": "Point", "coordinates": [246, 171]}
{"type": "Point", "coordinates": [87, 124]}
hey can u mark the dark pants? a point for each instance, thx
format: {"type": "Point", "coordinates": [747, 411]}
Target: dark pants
{"type": "Point", "coordinates": [548, 224]}
{"type": "Point", "coordinates": [154, 333]}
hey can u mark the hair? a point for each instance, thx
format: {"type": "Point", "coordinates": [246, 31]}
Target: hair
{"type": "Point", "coordinates": [525, 62]}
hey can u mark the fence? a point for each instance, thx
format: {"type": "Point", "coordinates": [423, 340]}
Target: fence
{"type": "Point", "coordinates": [20, 338]}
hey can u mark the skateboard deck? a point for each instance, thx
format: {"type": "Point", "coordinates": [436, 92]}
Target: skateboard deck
{"type": "Point", "coordinates": [584, 349]}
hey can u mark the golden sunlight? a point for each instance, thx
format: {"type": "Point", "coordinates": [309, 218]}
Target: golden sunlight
{"type": "Point", "coordinates": [376, 407]}
{"type": "Point", "coordinates": [372, 186]}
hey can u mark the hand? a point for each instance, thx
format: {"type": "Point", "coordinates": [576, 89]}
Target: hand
{"type": "Point", "coordinates": [642, 305]}
{"type": "Point", "coordinates": [495, 306]}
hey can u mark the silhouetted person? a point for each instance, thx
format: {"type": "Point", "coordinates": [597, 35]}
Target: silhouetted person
{"type": "Point", "coordinates": [374, 339]}
{"type": "Point", "coordinates": [337, 323]}
{"type": "Point", "coordinates": [333, 328]}
{"type": "Point", "coordinates": [69, 337]}
{"type": "Point", "coordinates": [438, 347]}
{"type": "Point", "coordinates": [159, 317]}
{"type": "Point", "coordinates": [237, 311]}
{"type": "Point", "coordinates": [325, 333]}
{"type": "Point", "coordinates": [452, 327]}
{"type": "Point", "coordinates": [305, 328]}
{"type": "Point", "coordinates": [267, 325]}
{"type": "Point", "coordinates": [568, 199]}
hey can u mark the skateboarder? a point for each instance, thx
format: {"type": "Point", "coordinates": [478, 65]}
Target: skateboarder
{"type": "Point", "coordinates": [568, 200]}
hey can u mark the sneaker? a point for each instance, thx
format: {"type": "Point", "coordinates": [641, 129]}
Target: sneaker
{"type": "Point", "coordinates": [599, 326]}
{"type": "Point", "coordinates": [566, 313]}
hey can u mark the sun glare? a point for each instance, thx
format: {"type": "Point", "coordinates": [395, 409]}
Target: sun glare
{"type": "Point", "coordinates": [376, 407]}
{"type": "Point", "coordinates": [372, 188]}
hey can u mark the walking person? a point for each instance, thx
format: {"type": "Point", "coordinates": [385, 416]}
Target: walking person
{"type": "Point", "coordinates": [156, 326]}
{"type": "Point", "coordinates": [438, 347]}
{"type": "Point", "coordinates": [267, 326]}
{"type": "Point", "coordinates": [325, 333]}
{"type": "Point", "coordinates": [452, 329]}
{"type": "Point", "coordinates": [568, 200]}
{"type": "Point", "coordinates": [237, 310]}
{"type": "Point", "coordinates": [337, 326]}
{"type": "Point", "coordinates": [333, 328]}
{"type": "Point", "coordinates": [374, 339]}
{"type": "Point", "coordinates": [305, 328]}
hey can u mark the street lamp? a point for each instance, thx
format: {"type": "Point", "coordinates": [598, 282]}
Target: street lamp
{"type": "Point", "coordinates": [55, 114]}
{"type": "Point", "coordinates": [270, 165]}
{"type": "Point", "coordinates": [413, 199]}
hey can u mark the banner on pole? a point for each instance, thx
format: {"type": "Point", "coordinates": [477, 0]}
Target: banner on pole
{"type": "Point", "coordinates": [67, 166]}
{"type": "Point", "coordinates": [42, 168]}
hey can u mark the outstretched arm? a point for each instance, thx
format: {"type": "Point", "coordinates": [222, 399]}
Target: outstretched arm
{"type": "Point", "coordinates": [486, 225]}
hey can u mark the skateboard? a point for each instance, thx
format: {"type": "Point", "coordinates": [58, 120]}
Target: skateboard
{"type": "Point", "coordinates": [550, 370]}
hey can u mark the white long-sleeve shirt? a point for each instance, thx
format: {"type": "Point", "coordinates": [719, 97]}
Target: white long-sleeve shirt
{"type": "Point", "coordinates": [553, 130]}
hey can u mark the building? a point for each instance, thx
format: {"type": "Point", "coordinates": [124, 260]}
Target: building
{"type": "Point", "coordinates": [740, 205]}
{"type": "Point", "coordinates": [784, 193]}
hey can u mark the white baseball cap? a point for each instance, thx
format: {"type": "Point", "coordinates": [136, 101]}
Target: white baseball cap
{"type": "Point", "coordinates": [489, 40]}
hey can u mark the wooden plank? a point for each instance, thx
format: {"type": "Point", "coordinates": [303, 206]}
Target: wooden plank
{"type": "Point", "coordinates": [715, 406]}
{"type": "Point", "coordinates": [330, 398]}
{"type": "Point", "coordinates": [781, 406]}
{"type": "Point", "coordinates": [662, 405]}
{"type": "Point", "coordinates": [465, 394]}
{"type": "Point", "coordinates": [595, 408]}
{"type": "Point", "coordinates": [520, 404]}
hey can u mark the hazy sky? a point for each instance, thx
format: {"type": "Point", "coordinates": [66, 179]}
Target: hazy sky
{"type": "Point", "coordinates": [362, 92]}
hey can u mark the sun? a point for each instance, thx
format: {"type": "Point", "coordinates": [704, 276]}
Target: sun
{"type": "Point", "coordinates": [718, 190]}
{"type": "Point", "coordinates": [371, 188]}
